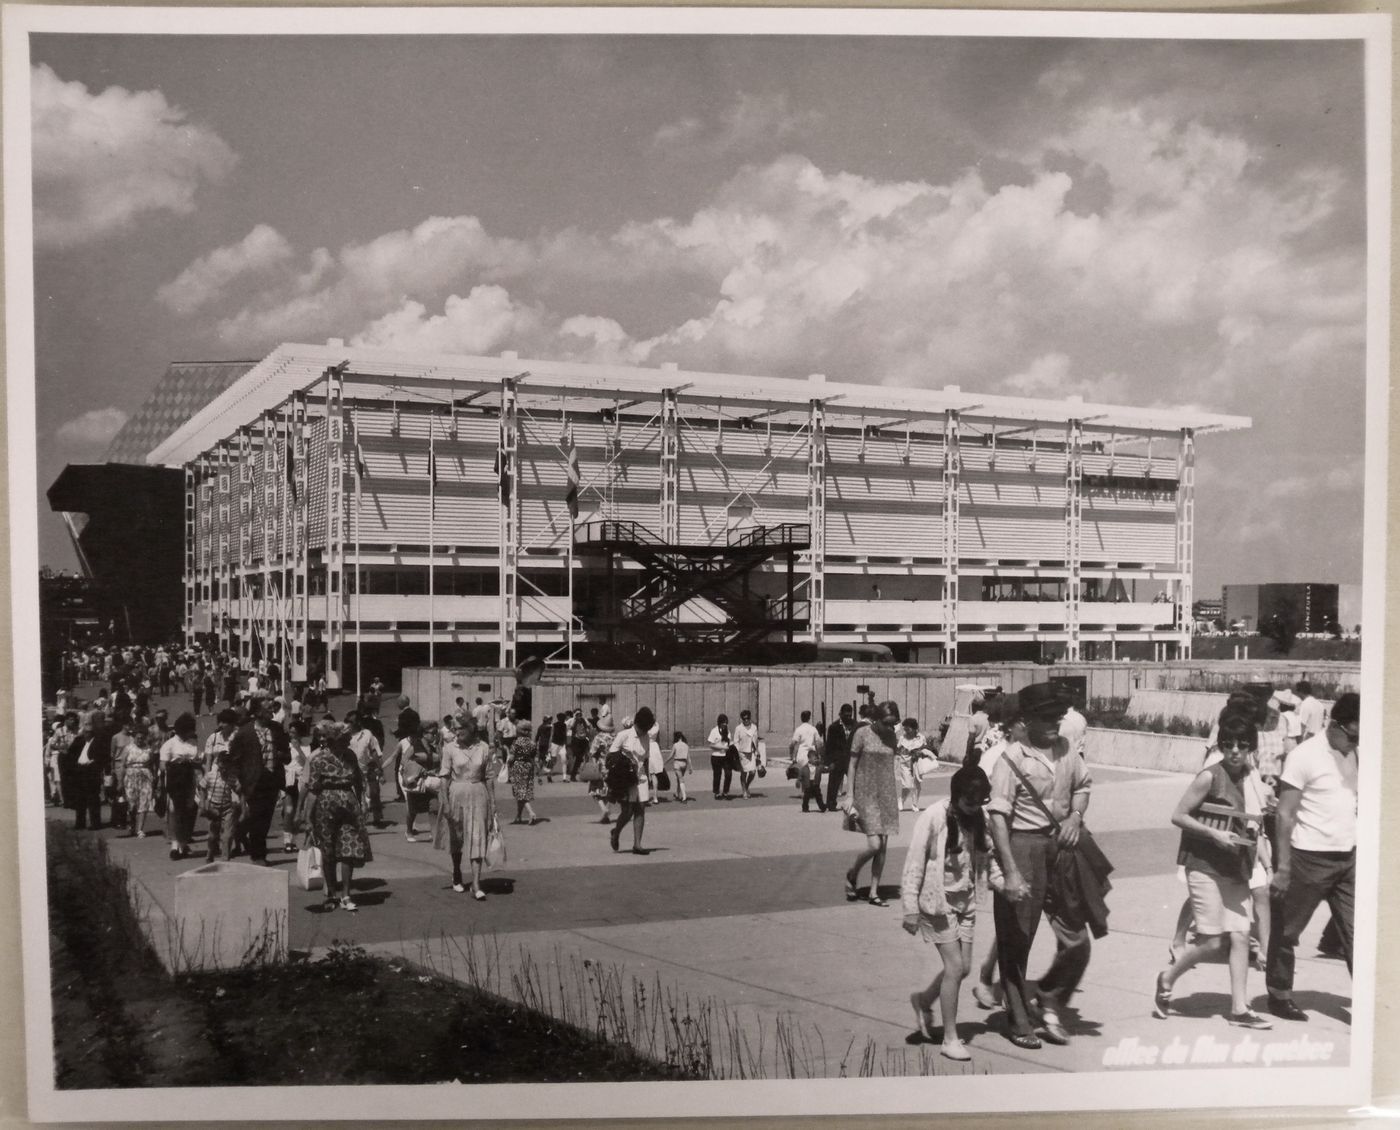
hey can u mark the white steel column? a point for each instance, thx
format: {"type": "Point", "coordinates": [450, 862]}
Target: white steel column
{"type": "Point", "coordinates": [1074, 503]}
{"type": "Point", "coordinates": [1185, 537]}
{"type": "Point", "coordinates": [267, 465]}
{"type": "Point", "coordinates": [952, 518]}
{"type": "Point", "coordinates": [245, 543]}
{"type": "Point", "coordinates": [224, 496]}
{"type": "Point", "coordinates": [816, 518]}
{"type": "Point", "coordinates": [509, 528]}
{"type": "Point", "coordinates": [670, 468]}
{"type": "Point", "coordinates": [191, 567]}
{"type": "Point", "coordinates": [335, 528]}
{"type": "Point", "coordinates": [300, 557]}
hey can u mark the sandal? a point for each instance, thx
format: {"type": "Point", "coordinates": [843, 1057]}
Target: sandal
{"type": "Point", "coordinates": [1161, 998]}
{"type": "Point", "coordinates": [876, 900]}
{"type": "Point", "coordinates": [1026, 1040]}
{"type": "Point", "coordinates": [851, 894]}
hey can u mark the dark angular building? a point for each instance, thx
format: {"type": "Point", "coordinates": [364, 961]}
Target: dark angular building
{"type": "Point", "coordinates": [126, 517]}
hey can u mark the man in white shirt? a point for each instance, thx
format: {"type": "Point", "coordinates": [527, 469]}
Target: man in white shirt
{"type": "Point", "coordinates": [1311, 714]}
{"type": "Point", "coordinates": [1315, 845]}
{"type": "Point", "coordinates": [801, 749]}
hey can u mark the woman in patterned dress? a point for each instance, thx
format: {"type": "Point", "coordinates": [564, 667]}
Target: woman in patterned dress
{"type": "Point", "coordinates": [871, 782]}
{"type": "Point", "coordinates": [337, 822]}
{"type": "Point", "coordinates": [520, 760]}
{"type": "Point", "coordinates": [466, 808]}
{"type": "Point", "coordinates": [138, 780]}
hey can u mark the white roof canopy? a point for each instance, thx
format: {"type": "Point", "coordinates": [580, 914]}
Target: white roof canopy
{"type": "Point", "coordinates": [441, 379]}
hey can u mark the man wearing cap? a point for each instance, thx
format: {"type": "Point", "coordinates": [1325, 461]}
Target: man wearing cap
{"type": "Point", "coordinates": [260, 751]}
{"type": "Point", "coordinates": [1316, 845]}
{"type": "Point", "coordinates": [89, 757]}
{"type": "Point", "coordinates": [1026, 845]}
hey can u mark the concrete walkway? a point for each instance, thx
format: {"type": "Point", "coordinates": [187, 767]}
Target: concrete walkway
{"type": "Point", "coordinates": [737, 918]}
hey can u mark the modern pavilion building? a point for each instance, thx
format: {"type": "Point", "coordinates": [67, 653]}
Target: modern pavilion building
{"type": "Point", "coordinates": [361, 510]}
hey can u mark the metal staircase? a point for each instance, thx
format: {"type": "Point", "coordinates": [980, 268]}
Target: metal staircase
{"type": "Point", "coordinates": [691, 602]}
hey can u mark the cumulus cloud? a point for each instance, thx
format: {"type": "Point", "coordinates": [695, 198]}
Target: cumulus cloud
{"type": "Point", "coordinates": [101, 160]}
{"type": "Point", "coordinates": [479, 323]}
{"type": "Point", "coordinates": [1191, 280]}
{"type": "Point", "coordinates": [92, 429]}
{"type": "Point", "coordinates": [749, 122]}
{"type": "Point", "coordinates": [337, 294]}
{"type": "Point", "coordinates": [209, 277]}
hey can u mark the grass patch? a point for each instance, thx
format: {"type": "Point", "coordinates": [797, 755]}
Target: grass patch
{"type": "Point", "coordinates": [121, 1021]}
{"type": "Point", "coordinates": [455, 1011]}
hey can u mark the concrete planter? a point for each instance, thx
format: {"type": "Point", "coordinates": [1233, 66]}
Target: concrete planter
{"type": "Point", "coordinates": [1138, 749]}
{"type": "Point", "coordinates": [1199, 706]}
{"type": "Point", "coordinates": [227, 915]}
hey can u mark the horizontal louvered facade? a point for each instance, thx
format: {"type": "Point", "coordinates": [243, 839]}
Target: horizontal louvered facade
{"type": "Point", "coordinates": [917, 508]}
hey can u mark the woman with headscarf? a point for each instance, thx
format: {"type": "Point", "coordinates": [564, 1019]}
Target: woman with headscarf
{"type": "Point", "coordinates": [873, 806]}
{"type": "Point", "coordinates": [337, 788]}
{"type": "Point", "coordinates": [466, 808]}
{"type": "Point", "coordinates": [180, 771]}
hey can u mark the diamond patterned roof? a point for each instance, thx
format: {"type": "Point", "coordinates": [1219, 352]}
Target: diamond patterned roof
{"type": "Point", "coordinates": [186, 388]}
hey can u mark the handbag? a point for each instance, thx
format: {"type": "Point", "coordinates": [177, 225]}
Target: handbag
{"type": "Point", "coordinates": [495, 846]}
{"type": "Point", "coordinates": [851, 821]}
{"type": "Point", "coordinates": [792, 772]}
{"type": "Point", "coordinates": [663, 781]}
{"type": "Point", "coordinates": [310, 876]}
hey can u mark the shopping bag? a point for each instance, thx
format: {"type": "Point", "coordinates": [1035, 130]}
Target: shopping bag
{"type": "Point", "coordinates": [495, 846]}
{"type": "Point", "coordinates": [309, 874]}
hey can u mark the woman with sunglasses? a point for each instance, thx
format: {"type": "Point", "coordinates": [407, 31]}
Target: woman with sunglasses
{"type": "Point", "coordinates": [948, 869]}
{"type": "Point", "coordinates": [1220, 861]}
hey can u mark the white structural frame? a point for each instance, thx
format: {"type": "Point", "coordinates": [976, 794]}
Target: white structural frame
{"type": "Point", "coordinates": [219, 441]}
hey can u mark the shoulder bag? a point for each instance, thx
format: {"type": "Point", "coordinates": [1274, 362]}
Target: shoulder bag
{"type": "Point", "coordinates": [1086, 846]}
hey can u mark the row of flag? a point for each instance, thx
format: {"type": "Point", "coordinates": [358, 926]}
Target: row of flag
{"type": "Point", "coordinates": [572, 469]}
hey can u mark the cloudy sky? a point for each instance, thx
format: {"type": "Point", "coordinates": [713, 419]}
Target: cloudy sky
{"type": "Point", "coordinates": [1143, 222]}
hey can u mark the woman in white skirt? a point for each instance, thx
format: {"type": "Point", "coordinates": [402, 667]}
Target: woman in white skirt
{"type": "Point", "coordinates": [1219, 868]}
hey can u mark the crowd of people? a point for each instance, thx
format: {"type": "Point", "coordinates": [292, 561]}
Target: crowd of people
{"type": "Point", "coordinates": [1268, 824]}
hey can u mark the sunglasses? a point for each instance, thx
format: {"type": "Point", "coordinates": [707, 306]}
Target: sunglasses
{"type": "Point", "coordinates": [1235, 745]}
{"type": "Point", "coordinates": [1353, 733]}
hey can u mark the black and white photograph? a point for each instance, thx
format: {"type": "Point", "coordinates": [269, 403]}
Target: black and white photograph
{"type": "Point", "coordinates": [703, 561]}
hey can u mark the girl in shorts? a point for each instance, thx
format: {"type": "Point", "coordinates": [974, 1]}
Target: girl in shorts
{"type": "Point", "coordinates": [680, 763]}
{"type": "Point", "coordinates": [948, 869]}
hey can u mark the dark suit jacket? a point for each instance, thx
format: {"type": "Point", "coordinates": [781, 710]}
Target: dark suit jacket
{"type": "Point", "coordinates": [100, 755]}
{"type": "Point", "coordinates": [245, 751]}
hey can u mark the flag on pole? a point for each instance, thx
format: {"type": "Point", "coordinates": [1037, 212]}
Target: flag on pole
{"type": "Point", "coordinates": [575, 478]}
{"type": "Point", "coordinates": [432, 465]}
{"type": "Point", "coordinates": [502, 471]}
{"type": "Point", "coordinates": [291, 465]}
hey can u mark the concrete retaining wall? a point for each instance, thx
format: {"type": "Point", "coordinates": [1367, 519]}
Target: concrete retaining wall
{"type": "Point", "coordinates": [1134, 749]}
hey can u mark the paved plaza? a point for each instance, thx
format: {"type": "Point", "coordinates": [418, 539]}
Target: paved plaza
{"type": "Point", "coordinates": [740, 902]}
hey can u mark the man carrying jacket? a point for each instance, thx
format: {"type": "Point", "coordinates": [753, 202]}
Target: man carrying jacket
{"type": "Point", "coordinates": [1027, 845]}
